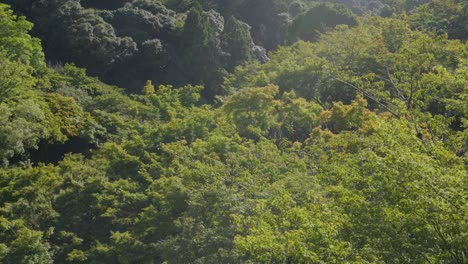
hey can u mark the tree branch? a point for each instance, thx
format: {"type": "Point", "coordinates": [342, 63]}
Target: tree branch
{"type": "Point", "coordinates": [368, 96]}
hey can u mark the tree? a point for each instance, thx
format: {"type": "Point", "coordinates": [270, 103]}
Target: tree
{"type": "Point", "coordinates": [88, 40]}
{"type": "Point", "coordinates": [319, 19]}
{"type": "Point", "coordinates": [253, 111]}
{"type": "Point", "coordinates": [15, 77]}
{"type": "Point", "coordinates": [201, 44]}
{"type": "Point", "coordinates": [268, 19]}
{"type": "Point", "coordinates": [237, 42]}
{"type": "Point", "coordinates": [142, 20]}
{"type": "Point", "coordinates": [149, 88]}
{"type": "Point", "coordinates": [14, 39]}
{"type": "Point", "coordinates": [441, 17]}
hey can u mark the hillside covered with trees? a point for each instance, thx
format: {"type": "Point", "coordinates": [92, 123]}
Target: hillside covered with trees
{"type": "Point", "coordinates": [233, 131]}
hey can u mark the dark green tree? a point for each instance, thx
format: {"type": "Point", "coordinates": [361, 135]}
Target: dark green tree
{"type": "Point", "coordinates": [268, 19]}
{"type": "Point", "coordinates": [319, 19]}
{"type": "Point", "coordinates": [295, 8]}
{"type": "Point", "coordinates": [200, 44]}
{"type": "Point", "coordinates": [237, 42]}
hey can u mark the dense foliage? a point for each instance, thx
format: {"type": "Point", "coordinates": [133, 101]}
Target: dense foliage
{"type": "Point", "coordinates": [347, 146]}
{"type": "Point", "coordinates": [128, 42]}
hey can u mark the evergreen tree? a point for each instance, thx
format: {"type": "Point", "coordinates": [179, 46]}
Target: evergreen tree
{"type": "Point", "coordinates": [201, 47]}
{"type": "Point", "coordinates": [237, 42]}
{"type": "Point", "coordinates": [320, 18]}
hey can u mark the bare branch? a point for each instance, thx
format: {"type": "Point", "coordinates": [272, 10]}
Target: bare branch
{"type": "Point", "coordinates": [397, 91]}
{"type": "Point", "coordinates": [368, 96]}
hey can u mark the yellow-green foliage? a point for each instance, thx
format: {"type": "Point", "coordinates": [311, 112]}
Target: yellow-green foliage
{"type": "Point", "coordinates": [149, 88]}
{"type": "Point", "coordinates": [348, 150]}
{"type": "Point", "coordinates": [70, 116]}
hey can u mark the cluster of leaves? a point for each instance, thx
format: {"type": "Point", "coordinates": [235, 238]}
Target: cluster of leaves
{"type": "Point", "coordinates": [413, 75]}
{"type": "Point", "coordinates": [348, 150]}
{"type": "Point", "coordinates": [442, 17]}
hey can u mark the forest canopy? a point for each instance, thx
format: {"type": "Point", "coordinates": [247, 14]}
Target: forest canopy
{"type": "Point", "coordinates": [246, 131]}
